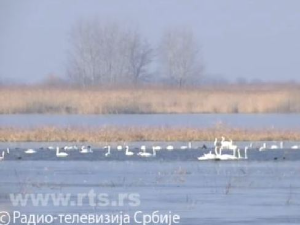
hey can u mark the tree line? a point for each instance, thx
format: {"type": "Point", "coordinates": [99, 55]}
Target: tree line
{"type": "Point", "coordinates": [109, 54]}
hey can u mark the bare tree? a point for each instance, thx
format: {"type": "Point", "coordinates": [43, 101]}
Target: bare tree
{"type": "Point", "coordinates": [84, 56]}
{"type": "Point", "coordinates": [180, 57]}
{"type": "Point", "coordinates": [106, 54]}
{"type": "Point", "coordinates": [140, 56]}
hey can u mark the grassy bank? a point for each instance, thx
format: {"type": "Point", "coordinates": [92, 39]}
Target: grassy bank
{"type": "Point", "coordinates": [49, 134]}
{"type": "Point", "coordinates": [229, 99]}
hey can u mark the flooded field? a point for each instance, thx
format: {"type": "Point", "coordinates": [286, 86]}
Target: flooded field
{"type": "Point", "coordinates": [262, 189]}
{"type": "Point", "coordinates": [244, 192]}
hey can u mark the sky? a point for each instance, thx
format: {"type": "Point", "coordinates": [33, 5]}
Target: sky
{"type": "Point", "coordinates": [251, 39]}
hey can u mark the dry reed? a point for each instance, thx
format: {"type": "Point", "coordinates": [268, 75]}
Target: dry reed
{"type": "Point", "coordinates": [112, 134]}
{"type": "Point", "coordinates": [229, 99]}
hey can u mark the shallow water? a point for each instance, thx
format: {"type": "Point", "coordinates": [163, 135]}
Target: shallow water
{"type": "Point", "coordinates": [264, 189]}
{"type": "Point", "coordinates": [245, 192]}
{"type": "Point", "coordinates": [277, 121]}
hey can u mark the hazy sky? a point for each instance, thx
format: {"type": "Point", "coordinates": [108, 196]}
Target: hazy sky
{"type": "Point", "coordinates": [239, 38]}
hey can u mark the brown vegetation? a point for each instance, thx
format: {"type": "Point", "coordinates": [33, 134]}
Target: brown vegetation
{"type": "Point", "coordinates": [229, 99]}
{"type": "Point", "coordinates": [111, 134]}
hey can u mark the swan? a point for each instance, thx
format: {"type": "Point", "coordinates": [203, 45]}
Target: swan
{"type": "Point", "coordinates": [144, 153]}
{"type": "Point", "coordinates": [85, 150]}
{"type": "Point", "coordinates": [154, 152]}
{"type": "Point", "coordinates": [60, 154]}
{"type": "Point", "coordinates": [220, 156]}
{"type": "Point", "coordinates": [157, 148]}
{"type": "Point", "coordinates": [108, 151]}
{"type": "Point", "coordinates": [189, 146]}
{"type": "Point", "coordinates": [209, 156]}
{"type": "Point", "coordinates": [7, 150]}
{"type": "Point", "coordinates": [128, 153]}
{"type": "Point", "coordinates": [262, 148]}
{"type": "Point", "coordinates": [30, 151]}
{"type": "Point", "coordinates": [51, 148]}
{"type": "Point", "coordinates": [2, 157]}
{"type": "Point", "coordinates": [216, 142]}
{"type": "Point", "coordinates": [170, 147]}
{"type": "Point", "coordinates": [119, 147]}
{"type": "Point", "coordinates": [245, 156]}
{"type": "Point", "coordinates": [66, 148]}
{"type": "Point", "coordinates": [225, 144]}
{"type": "Point", "coordinates": [295, 147]}
{"type": "Point", "coordinates": [226, 157]}
{"type": "Point", "coordinates": [276, 147]}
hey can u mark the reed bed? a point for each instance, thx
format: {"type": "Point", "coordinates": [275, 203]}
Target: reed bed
{"type": "Point", "coordinates": [112, 134]}
{"type": "Point", "coordinates": [229, 99]}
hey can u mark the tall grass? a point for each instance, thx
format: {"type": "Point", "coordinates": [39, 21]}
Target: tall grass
{"type": "Point", "coordinates": [229, 99]}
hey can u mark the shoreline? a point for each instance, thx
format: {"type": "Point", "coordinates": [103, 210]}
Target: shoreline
{"type": "Point", "coordinates": [134, 134]}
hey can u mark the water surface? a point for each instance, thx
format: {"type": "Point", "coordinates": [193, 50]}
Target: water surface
{"type": "Point", "coordinates": [258, 121]}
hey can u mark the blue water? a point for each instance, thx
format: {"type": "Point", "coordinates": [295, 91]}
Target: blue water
{"type": "Point", "coordinates": [258, 121]}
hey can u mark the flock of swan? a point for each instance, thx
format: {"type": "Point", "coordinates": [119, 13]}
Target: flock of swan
{"type": "Point", "coordinates": [214, 154]}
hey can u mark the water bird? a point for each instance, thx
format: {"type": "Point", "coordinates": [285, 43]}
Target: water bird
{"type": "Point", "coordinates": [128, 152]}
{"type": "Point", "coordinates": [157, 148]}
{"type": "Point", "coordinates": [295, 147]}
{"type": "Point", "coordinates": [189, 146]}
{"type": "Point", "coordinates": [61, 154]}
{"type": "Point", "coordinates": [209, 156]}
{"type": "Point", "coordinates": [85, 150]}
{"type": "Point", "coordinates": [144, 153]}
{"type": "Point", "coordinates": [263, 147]}
{"type": "Point", "coordinates": [204, 146]}
{"type": "Point", "coordinates": [108, 150]}
{"type": "Point", "coordinates": [30, 151]}
{"type": "Point", "coordinates": [119, 147]}
{"type": "Point", "coordinates": [67, 148]}
{"type": "Point", "coordinates": [245, 156]}
{"type": "Point", "coordinates": [7, 150]}
{"type": "Point", "coordinates": [225, 144]}
{"type": "Point", "coordinates": [2, 156]}
{"type": "Point", "coordinates": [170, 148]}
{"type": "Point", "coordinates": [276, 147]}
{"type": "Point", "coordinates": [51, 148]}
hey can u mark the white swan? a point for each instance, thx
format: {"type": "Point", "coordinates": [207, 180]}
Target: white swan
{"type": "Point", "coordinates": [209, 156]}
{"type": "Point", "coordinates": [119, 147]}
{"type": "Point", "coordinates": [225, 144]}
{"type": "Point", "coordinates": [226, 157]}
{"type": "Point", "coordinates": [262, 148]}
{"type": "Point", "coordinates": [157, 148]}
{"type": "Point", "coordinates": [144, 153]}
{"type": "Point", "coordinates": [189, 146]}
{"type": "Point", "coordinates": [7, 151]}
{"type": "Point", "coordinates": [276, 147]}
{"type": "Point", "coordinates": [30, 151]}
{"type": "Point", "coordinates": [67, 148]}
{"type": "Point", "coordinates": [85, 150]}
{"type": "Point", "coordinates": [108, 150]}
{"type": "Point", "coordinates": [216, 142]}
{"type": "Point", "coordinates": [295, 147]}
{"type": "Point", "coordinates": [217, 156]}
{"type": "Point", "coordinates": [245, 156]}
{"type": "Point", "coordinates": [3, 155]}
{"type": "Point", "coordinates": [128, 153]}
{"type": "Point", "coordinates": [170, 147]}
{"type": "Point", "coordinates": [60, 154]}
